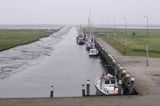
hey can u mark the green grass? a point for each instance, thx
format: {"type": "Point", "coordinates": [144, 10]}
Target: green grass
{"type": "Point", "coordinates": [10, 38]}
{"type": "Point", "coordinates": [136, 44]}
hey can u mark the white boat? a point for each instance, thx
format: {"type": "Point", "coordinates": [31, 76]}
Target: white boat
{"type": "Point", "coordinates": [91, 43]}
{"type": "Point", "coordinates": [106, 85]}
{"type": "Point", "coordinates": [93, 52]}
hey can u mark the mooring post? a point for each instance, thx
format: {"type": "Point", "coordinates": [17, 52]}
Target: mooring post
{"type": "Point", "coordinates": [52, 91]}
{"type": "Point", "coordinates": [83, 90]}
{"type": "Point", "coordinates": [131, 85]}
{"type": "Point", "coordinates": [127, 78]}
{"type": "Point", "coordinates": [88, 87]}
{"type": "Point", "coordinates": [120, 87]}
{"type": "Point", "coordinates": [120, 72]}
{"type": "Point", "coordinates": [123, 74]}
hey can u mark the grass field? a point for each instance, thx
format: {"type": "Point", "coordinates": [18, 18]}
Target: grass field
{"type": "Point", "coordinates": [136, 41]}
{"type": "Point", "coordinates": [13, 37]}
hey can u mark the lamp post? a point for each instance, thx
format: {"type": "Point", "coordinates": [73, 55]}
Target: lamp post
{"type": "Point", "coordinates": [125, 48]}
{"type": "Point", "coordinates": [147, 41]}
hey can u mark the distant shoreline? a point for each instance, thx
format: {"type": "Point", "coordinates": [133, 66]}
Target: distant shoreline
{"type": "Point", "coordinates": [30, 26]}
{"type": "Point", "coordinates": [52, 26]}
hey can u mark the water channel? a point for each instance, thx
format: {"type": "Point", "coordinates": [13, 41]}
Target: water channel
{"type": "Point", "coordinates": [67, 66]}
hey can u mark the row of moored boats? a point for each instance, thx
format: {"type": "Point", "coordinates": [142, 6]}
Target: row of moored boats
{"type": "Point", "coordinates": [106, 84]}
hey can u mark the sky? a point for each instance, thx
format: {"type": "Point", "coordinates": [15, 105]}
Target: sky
{"type": "Point", "coordinates": [77, 11]}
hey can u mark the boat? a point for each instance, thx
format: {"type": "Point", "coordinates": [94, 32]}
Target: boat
{"type": "Point", "coordinates": [90, 46]}
{"type": "Point", "coordinates": [80, 38]}
{"type": "Point", "coordinates": [93, 52]}
{"type": "Point", "coordinates": [89, 40]}
{"type": "Point", "coordinates": [106, 85]}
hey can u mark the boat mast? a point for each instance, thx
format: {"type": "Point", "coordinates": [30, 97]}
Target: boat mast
{"type": "Point", "coordinates": [93, 33]}
{"type": "Point", "coordinates": [89, 24]}
{"type": "Point", "coordinates": [80, 29]}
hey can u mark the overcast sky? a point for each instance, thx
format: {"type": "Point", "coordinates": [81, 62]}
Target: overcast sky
{"type": "Point", "coordinates": [77, 11]}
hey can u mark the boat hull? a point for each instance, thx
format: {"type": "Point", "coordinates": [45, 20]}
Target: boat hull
{"type": "Point", "coordinates": [101, 92]}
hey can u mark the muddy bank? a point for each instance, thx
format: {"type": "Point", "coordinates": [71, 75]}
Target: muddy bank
{"type": "Point", "coordinates": [19, 58]}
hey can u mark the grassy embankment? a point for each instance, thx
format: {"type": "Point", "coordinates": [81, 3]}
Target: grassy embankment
{"type": "Point", "coordinates": [136, 44]}
{"type": "Point", "coordinates": [13, 37]}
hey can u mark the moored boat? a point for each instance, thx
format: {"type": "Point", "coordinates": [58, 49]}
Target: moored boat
{"type": "Point", "coordinates": [80, 38]}
{"type": "Point", "coordinates": [106, 85]}
{"type": "Point", "coordinates": [93, 52]}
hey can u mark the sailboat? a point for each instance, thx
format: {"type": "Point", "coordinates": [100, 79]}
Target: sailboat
{"type": "Point", "coordinates": [89, 39]}
{"type": "Point", "coordinates": [80, 38]}
{"type": "Point", "coordinates": [93, 51]}
{"type": "Point", "coordinates": [90, 44]}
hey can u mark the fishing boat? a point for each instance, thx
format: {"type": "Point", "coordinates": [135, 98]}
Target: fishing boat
{"type": "Point", "coordinates": [91, 43]}
{"type": "Point", "coordinates": [89, 39]}
{"type": "Point", "coordinates": [106, 85]}
{"type": "Point", "coordinates": [80, 38]}
{"type": "Point", "coordinates": [93, 52]}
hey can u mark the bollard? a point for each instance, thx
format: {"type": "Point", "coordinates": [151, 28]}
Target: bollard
{"type": "Point", "coordinates": [123, 74]}
{"type": "Point", "coordinates": [132, 80]}
{"type": "Point", "coordinates": [83, 90]}
{"type": "Point", "coordinates": [120, 67]}
{"type": "Point", "coordinates": [52, 91]}
{"type": "Point", "coordinates": [120, 90]}
{"type": "Point", "coordinates": [88, 87]}
{"type": "Point", "coordinates": [127, 78]}
{"type": "Point", "coordinates": [120, 72]}
{"type": "Point", "coordinates": [131, 86]}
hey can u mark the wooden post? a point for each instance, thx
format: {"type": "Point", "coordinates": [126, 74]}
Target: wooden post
{"type": "Point", "coordinates": [52, 91]}
{"type": "Point", "coordinates": [88, 87]}
{"type": "Point", "coordinates": [83, 90]}
{"type": "Point", "coordinates": [131, 86]}
{"type": "Point", "coordinates": [123, 74]}
{"type": "Point", "coordinates": [120, 87]}
{"type": "Point", "coordinates": [127, 78]}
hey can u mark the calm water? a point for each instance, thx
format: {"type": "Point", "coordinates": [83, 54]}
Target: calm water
{"type": "Point", "coordinates": [67, 67]}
